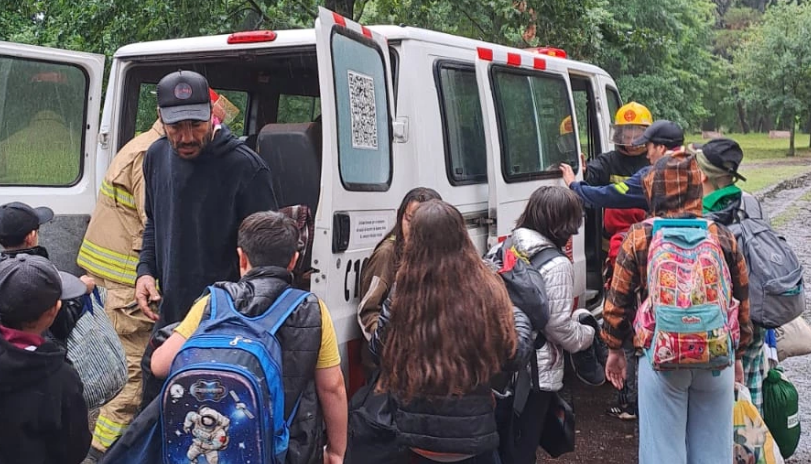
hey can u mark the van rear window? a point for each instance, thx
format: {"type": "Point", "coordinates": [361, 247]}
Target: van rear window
{"type": "Point", "coordinates": [42, 114]}
{"type": "Point", "coordinates": [465, 147]}
{"type": "Point", "coordinates": [148, 103]}
{"type": "Point", "coordinates": [535, 123]}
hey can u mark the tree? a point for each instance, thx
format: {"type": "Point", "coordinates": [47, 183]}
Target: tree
{"type": "Point", "coordinates": [773, 67]}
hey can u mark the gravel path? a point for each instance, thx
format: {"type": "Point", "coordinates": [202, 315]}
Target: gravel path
{"type": "Point", "coordinates": [795, 226]}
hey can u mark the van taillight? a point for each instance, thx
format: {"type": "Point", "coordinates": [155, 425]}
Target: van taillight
{"type": "Point", "coordinates": [251, 37]}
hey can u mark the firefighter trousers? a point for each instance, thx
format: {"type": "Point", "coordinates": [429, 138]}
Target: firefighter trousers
{"type": "Point", "coordinates": [134, 329]}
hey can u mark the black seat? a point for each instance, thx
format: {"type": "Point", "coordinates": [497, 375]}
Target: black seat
{"type": "Point", "coordinates": [293, 154]}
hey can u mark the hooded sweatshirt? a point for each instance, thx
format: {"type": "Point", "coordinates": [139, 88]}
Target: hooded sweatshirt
{"type": "Point", "coordinates": [41, 403]}
{"type": "Point", "coordinates": [673, 188]}
{"type": "Point", "coordinates": [194, 209]}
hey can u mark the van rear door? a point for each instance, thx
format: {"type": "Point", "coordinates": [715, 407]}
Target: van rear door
{"type": "Point", "coordinates": [530, 130]}
{"type": "Point", "coordinates": [359, 191]}
{"type": "Point", "coordinates": [49, 116]}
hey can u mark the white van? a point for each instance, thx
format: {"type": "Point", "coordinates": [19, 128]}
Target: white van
{"type": "Point", "coordinates": [349, 119]}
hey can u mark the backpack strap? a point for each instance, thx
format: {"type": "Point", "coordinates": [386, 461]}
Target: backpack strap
{"type": "Point", "coordinates": [282, 308]}
{"type": "Point", "coordinates": [219, 302]}
{"type": "Point", "coordinates": [544, 256]}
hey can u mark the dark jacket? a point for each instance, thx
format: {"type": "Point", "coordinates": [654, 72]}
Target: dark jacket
{"type": "Point", "coordinates": [43, 410]}
{"type": "Point", "coordinates": [463, 425]}
{"type": "Point", "coordinates": [622, 195]}
{"type": "Point", "coordinates": [300, 339]}
{"type": "Point", "coordinates": [194, 208]}
{"type": "Point", "coordinates": [70, 312]}
{"type": "Point", "coordinates": [613, 167]}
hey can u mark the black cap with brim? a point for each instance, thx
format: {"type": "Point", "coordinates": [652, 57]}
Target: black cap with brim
{"type": "Point", "coordinates": [18, 219]}
{"type": "Point", "coordinates": [662, 132]}
{"type": "Point", "coordinates": [724, 154]}
{"type": "Point", "coordinates": [196, 112]}
{"type": "Point", "coordinates": [72, 286]}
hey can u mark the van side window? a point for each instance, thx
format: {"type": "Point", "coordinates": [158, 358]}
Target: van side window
{"type": "Point", "coordinates": [42, 113]}
{"type": "Point", "coordinates": [297, 109]}
{"type": "Point", "coordinates": [463, 128]}
{"type": "Point", "coordinates": [535, 123]}
{"type": "Point", "coordinates": [586, 110]}
{"type": "Point", "coordinates": [614, 101]}
{"type": "Point", "coordinates": [362, 107]}
{"type": "Point", "coordinates": [148, 102]}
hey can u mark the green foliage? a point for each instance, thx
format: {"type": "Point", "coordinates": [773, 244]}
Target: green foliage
{"type": "Point", "coordinates": [773, 68]}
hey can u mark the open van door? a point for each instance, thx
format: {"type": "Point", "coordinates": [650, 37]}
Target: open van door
{"type": "Point", "coordinates": [49, 116]}
{"type": "Point", "coordinates": [530, 129]}
{"type": "Point", "coordinates": [359, 195]}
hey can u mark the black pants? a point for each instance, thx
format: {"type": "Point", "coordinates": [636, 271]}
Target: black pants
{"type": "Point", "coordinates": [520, 435]}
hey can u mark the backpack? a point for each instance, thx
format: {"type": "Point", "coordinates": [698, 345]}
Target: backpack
{"type": "Point", "coordinates": [776, 295]}
{"type": "Point", "coordinates": [224, 398]}
{"type": "Point", "coordinates": [525, 284]}
{"type": "Point", "coordinates": [689, 320]}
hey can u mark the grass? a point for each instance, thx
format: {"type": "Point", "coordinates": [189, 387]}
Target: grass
{"type": "Point", "coordinates": [765, 162]}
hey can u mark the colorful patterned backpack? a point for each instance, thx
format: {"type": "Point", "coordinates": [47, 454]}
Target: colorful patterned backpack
{"type": "Point", "coordinates": [689, 320]}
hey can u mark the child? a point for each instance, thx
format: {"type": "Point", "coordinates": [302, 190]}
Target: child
{"type": "Point", "coordinates": [41, 402]}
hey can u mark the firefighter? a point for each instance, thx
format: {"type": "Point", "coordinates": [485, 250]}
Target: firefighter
{"type": "Point", "coordinates": [109, 253]}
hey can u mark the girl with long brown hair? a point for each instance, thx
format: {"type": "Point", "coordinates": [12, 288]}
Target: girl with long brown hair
{"type": "Point", "coordinates": [449, 328]}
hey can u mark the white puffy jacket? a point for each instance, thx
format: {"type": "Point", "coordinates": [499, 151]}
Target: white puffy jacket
{"type": "Point", "coordinates": [562, 331]}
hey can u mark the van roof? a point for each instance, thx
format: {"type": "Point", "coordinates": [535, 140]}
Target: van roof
{"type": "Point", "coordinates": [306, 37]}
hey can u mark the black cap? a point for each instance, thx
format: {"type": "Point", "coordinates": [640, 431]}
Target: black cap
{"type": "Point", "coordinates": [724, 154]}
{"type": "Point", "coordinates": [662, 132]}
{"type": "Point", "coordinates": [31, 285]}
{"type": "Point", "coordinates": [18, 219]}
{"type": "Point", "coordinates": [182, 96]}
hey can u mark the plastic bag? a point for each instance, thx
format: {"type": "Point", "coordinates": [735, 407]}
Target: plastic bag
{"type": "Point", "coordinates": [96, 352]}
{"type": "Point", "coordinates": [780, 410]}
{"type": "Point", "coordinates": [752, 443]}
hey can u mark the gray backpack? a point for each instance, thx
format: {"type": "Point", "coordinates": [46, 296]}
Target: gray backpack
{"type": "Point", "coordinates": [776, 294]}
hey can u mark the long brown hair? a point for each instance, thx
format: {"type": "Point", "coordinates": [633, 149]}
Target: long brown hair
{"type": "Point", "coordinates": [451, 323]}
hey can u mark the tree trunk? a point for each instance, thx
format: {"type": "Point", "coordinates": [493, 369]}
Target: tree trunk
{"type": "Point", "coordinates": [742, 118]}
{"type": "Point", "coordinates": [792, 131]}
{"type": "Point", "coordinates": [345, 8]}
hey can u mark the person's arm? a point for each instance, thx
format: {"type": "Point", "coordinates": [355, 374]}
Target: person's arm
{"type": "Point", "coordinates": [146, 261]}
{"type": "Point", "coordinates": [524, 346]}
{"type": "Point", "coordinates": [139, 187]}
{"type": "Point", "coordinates": [329, 385]}
{"type": "Point", "coordinates": [75, 434]}
{"type": "Point", "coordinates": [163, 356]}
{"type": "Point", "coordinates": [622, 195]}
{"type": "Point", "coordinates": [618, 310]}
{"type": "Point", "coordinates": [562, 329]}
{"type": "Point", "coordinates": [331, 390]}
{"type": "Point", "coordinates": [739, 275]}
{"type": "Point", "coordinates": [375, 287]}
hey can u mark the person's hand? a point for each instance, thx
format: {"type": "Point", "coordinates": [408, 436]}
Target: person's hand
{"type": "Point", "coordinates": [739, 371]}
{"type": "Point", "coordinates": [146, 292]}
{"type": "Point", "coordinates": [615, 368]}
{"type": "Point", "coordinates": [88, 282]}
{"type": "Point", "coordinates": [568, 174]}
{"type": "Point", "coordinates": [331, 457]}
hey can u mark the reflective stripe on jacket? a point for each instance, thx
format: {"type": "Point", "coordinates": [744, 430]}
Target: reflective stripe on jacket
{"type": "Point", "coordinates": [113, 239]}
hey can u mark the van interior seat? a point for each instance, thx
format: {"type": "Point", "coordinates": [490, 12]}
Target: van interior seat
{"type": "Point", "coordinates": [293, 154]}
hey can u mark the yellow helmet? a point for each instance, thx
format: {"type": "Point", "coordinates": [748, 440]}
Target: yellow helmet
{"type": "Point", "coordinates": [566, 126]}
{"type": "Point", "coordinates": [567, 143]}
{"type": "Point", "coordinates": [633, 113]}
{"type": "Point", "coordinates": [630, 123]}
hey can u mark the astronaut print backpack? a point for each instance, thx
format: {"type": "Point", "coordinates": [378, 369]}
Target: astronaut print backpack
{"type": "Point", "coordinates": [224, 400]}
{"type": "Point", "coordinates": [689, 320]}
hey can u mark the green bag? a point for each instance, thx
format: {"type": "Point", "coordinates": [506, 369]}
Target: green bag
{"type": "Point", "coordinates": [780, 411]}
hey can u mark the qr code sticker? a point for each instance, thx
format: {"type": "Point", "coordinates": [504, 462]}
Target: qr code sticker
{"type": "Point", "coordinates": [363, 111]}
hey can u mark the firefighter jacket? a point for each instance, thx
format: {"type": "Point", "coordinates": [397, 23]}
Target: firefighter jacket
{"type": "Point", "coordinates": [113, 240]}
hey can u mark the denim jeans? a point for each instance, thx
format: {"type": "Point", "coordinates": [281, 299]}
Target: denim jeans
{"type": "Point", "coordinates": [685, 416]}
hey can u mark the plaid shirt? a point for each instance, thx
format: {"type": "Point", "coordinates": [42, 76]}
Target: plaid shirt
{"type": "Point", "coordinates": [754, 367]}
{"type": "Point", "coordinates": [673, 188]}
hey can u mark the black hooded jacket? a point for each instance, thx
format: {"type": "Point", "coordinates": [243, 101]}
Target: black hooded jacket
{"type": "Point", "coordinates": [194, 209]}
{"type": "Point", "coordinates": [43, 410]}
